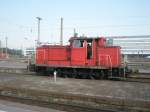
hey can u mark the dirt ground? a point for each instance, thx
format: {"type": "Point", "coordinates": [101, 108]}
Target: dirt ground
{"type": "Point", "coordinates": [106, 88]}
{"type": "Point", "coordinates": [102, 88]}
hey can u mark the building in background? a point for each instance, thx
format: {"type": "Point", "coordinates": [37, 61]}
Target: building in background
{"type": "Point", "coordinates": [130, 45]}
{"type": "Point", "coordinates": [4, 55]}
{"type": "Point", "coordinates": [29, 52]}
{"type": "Point", "coordinates": [138, 45]}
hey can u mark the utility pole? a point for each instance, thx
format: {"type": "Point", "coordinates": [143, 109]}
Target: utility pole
{"type": "Point", "coordinates": [74, 32]}
{"type": "Point", "coordinates": [38, 40]}
{"type": "Point", "coordinates": [6, 47]}
{"type": "Point", "coordinates": [61, 32]}
{"type": "Point", "coordinates": [1, 49]}
{"type": "Point", "coordinates": [0, 46]}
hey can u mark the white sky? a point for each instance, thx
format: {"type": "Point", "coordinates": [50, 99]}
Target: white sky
{"type": "Point", "coordinates": [89, 17]}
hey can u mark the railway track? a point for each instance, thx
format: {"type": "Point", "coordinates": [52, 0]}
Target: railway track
{"type": "Point", "coordinates": [138, 79]}
{"type": "Point", "coordinates": [62, 107]}
{"type": "Point", "coordinates": [142, 78]}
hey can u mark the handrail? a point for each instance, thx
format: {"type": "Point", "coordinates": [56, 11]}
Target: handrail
{"type": "Point", "coordinates": [110, 64]}
{"type": "Point", "coordinates": [108, 58]}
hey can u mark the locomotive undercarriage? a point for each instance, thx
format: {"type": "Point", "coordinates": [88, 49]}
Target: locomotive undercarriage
{"type": "Point", "coordinates": [81, 73]}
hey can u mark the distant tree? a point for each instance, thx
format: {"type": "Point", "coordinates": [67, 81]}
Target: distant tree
{"type": "Point", "coordinates": [12, 51]}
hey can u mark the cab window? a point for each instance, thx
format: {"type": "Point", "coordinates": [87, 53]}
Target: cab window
{"type": "Point", "coordinates": [78, 43]}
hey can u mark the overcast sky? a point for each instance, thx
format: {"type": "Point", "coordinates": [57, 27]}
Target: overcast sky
{"type": "Point", "coordinates": [90, 17]}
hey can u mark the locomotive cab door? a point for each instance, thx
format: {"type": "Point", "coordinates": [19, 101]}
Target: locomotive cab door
{"type": "Point", "coordinates": [89, 52]}
{"type": "Point", "coordinates": [82, 52]}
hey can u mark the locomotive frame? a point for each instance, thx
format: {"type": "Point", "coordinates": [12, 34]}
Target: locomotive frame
{"type": "Point", "coordinates": [84, 57]}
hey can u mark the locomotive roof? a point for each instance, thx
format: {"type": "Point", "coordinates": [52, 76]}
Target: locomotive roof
{"type": "Point", "coordinates": [85, 38]}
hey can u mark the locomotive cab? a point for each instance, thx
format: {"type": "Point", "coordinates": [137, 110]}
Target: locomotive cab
{"type": "Point", "coordinates": [94, 52]}
{"type": "Point", "coordinates": [82, 51]}
{"type": "Point", "coordinates": [87, 44]}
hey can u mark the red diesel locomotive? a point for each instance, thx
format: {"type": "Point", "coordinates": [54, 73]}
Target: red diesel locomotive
{"type": "Point", "coordinates": [82, 58]}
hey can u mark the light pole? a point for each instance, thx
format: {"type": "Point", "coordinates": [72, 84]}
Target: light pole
{"type": "Point", "coordinates": [61, 32]}
{"type": "Point", "coordinates": [6, 47]}
{"type": "Point", "coordinates": [0, 46]}
{"type": "Point", "coordinates": [38, 40]}
{"type": "Point", "coordinates": [1, 49]}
